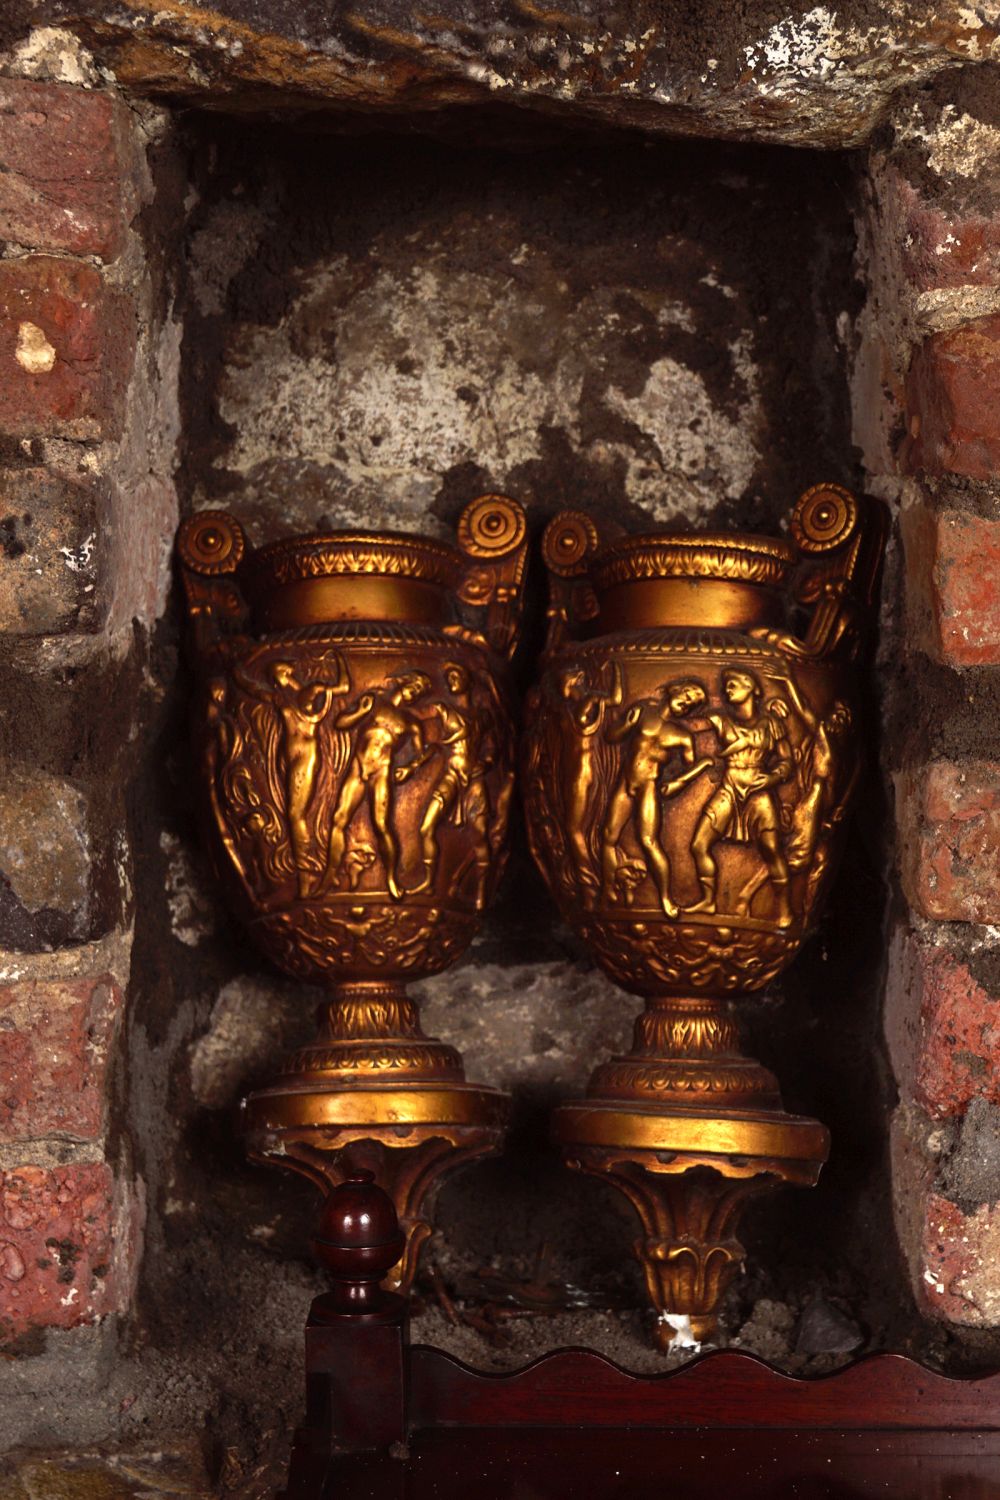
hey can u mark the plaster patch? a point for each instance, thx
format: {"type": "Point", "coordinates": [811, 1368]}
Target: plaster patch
{"type": "Point", "coordinates": [191, 910]}
{"type": "Point", "coordinates": [50, 52]}
{"type": "Point", "coordinates": [34, 353]}
{"type": "Point", "coordinates": [386, 389]}
{"type": "Point", "coordinates": [963, 146]}
{"type": "Point", "coordinates": [700, 447]}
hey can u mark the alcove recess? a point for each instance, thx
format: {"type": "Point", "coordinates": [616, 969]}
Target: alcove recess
{"type": "Point", "coordinates": [379, 323]}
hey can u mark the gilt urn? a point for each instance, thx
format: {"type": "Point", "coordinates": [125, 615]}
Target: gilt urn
{"type": "Point", "coordinates": [354, 749]}
{"type": "Point", "coordinates": [688, 763]}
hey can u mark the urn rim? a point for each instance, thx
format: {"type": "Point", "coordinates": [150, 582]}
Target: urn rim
{"type": "Point", "coordinates": [738, 557]}
{"type": "Point", "coordinates": [333, 554]}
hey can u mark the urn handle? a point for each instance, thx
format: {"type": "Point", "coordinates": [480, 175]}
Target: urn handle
{"type": "Point", "coordinates": [569, 542]}
{"type": "Point", "coordinates": [492, 534]}
{"type": "Point", "coordinates": [210, 546]}
{"type": "Point", "coordinates": [840, 539]}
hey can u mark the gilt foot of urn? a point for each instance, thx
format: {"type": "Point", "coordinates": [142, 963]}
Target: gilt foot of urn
{"type": "Point", "coordinates": [689, 1137]}
{"type": "Point", "coordinates": [373, 1092]}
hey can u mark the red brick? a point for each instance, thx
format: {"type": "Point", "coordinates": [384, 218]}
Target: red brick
{"type": "Point", "coordinates": [959, 1280]}
{"type": "Point", "coordinates": [66, 345]}
{"type": "Point", "coordinates": [943, 1030]}
{"type": "Point", "coordinates": [953, 585]}
{"type": "Point", "coordinates": [953, 413]}
{"type": "Point", "coordinates": [68, 172]}
{"type": "Point", "coordinates": [949, 823]}
{"type": "Point", "coordinates": [67, 1247]}
{"type": "Point", "coordinates": [55, 1045]}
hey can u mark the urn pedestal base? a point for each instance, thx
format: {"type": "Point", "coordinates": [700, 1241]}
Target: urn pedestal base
{"type": "Point", "coordinates": [689, 1129]}
{"type": "Point", "coordinates": [688, 1173]}
{"type": "Point", "coordinates": [411, 1137]}
{"type": "Point", "coordinates": [374, 1092]}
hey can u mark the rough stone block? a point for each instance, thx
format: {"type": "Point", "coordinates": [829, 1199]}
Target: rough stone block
{"type": "Point", "coordinates": [45, 860]}
{"type": "Point", "coordinates": [67, 1246]}
{"type": "Point", "coordinates": [66, 345]}
{"type": "Point", "coordinates": [68, 172]}
{"type": "Point", "coordinates": [954, 419]}
{"type": "Point", "coordinates": [52, 540]}
{"type": "Point", "coordinates": [960, 1276]}
{"type": "Point", "coordinates": [943, 1030]}
{"type": "Point", "coordinates": [949, 823]}
{"type": "Point", "coordinates": [953, 585]}
{"type": "Point", "coordinates": [55, 1046]}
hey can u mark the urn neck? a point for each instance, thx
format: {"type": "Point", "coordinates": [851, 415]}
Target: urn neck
{"type": "Point", "coordinates": [687, 603]}
{"type": "Point", "coordinates": [318, 580]}
{"type": "Point", "coordinates": [691, 581]}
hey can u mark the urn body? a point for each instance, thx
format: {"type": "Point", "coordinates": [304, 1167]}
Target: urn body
{"type": "Point", "coordinates": [690, 758]}
{"type": "Point", "coordinates": [353, 737]}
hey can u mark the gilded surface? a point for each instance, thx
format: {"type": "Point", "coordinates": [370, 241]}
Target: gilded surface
{"type": "Point", "coordinates": [759, 560]}
{"type": "Point", "coordinates": [359, 778]}
{"type": "Point", "coordinates": [685, 789]}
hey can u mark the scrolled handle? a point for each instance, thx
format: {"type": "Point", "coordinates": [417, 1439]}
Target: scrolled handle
{"type": "Point", "coordinates": [210, 546]}
{"type": "Point", "coordinates": [840, 539]}
{"type": "Point", "coordinates": [569, 543]}
{"type": "Point", "coordinates": [492, 533]}
{"type": "Point", "coordinates": [491, 527]}
{"type": "Point", "coordinates": [825, 518]}
{"type": "Point", "coordinates": [211, 542]}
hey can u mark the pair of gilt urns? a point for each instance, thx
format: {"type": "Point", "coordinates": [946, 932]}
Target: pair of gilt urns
{"type": "Point", "coordinates": [688, 756]}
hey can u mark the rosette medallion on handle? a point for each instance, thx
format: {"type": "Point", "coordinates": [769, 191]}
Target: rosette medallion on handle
{"type": "Point", "coordinates": [686, 772]}
{"type": "Point", "coordinates": [354, 750]}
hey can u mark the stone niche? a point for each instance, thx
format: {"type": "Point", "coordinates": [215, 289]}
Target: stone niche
{"type": "Point", "coordinates": [671, 264]}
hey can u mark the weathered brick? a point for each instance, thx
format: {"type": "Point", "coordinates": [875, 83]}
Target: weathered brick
{"type": "Point", "coordinates": [67, 1246]}
{"type": "Point", "coordinates": [940, 244]}
{"type": "Point", "coordinates": [943, 1030]}
{"type": "Point", "coordinates": [959, 1281]}
{"type": "Point", "coordinates": [954, 418]}
{"type": "Point", "coordinates": [949, 826]}
{"type": "Point", "coordinates": [52, 537]}
{"type": "Point", "coordinates": [55, 1046]}
{"type": "Point", "coordinates": [66, 346]}
{"type": "Point", "coordinates": [953, 585]}
{"type": "Point", "coordinates": [68, 170]}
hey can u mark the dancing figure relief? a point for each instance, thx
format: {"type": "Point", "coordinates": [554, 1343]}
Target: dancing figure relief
{"type": "Point", "coordinates": [764, 741]}
{"type": "Point", "coordinates": [823, 793]}
{"type": "Point", "coordinates": [654, 737]}
{"type": "Point", "coordinates": [301, 708]}
{"type": "Point", "coordinates": [756, 759]}
{"type": "Point", "coordinates": [587, 708]}
{"type": "Point", "coordinates": [384, 728]}
{"type": "Point", "coordinates": [459, 788]}
{"type": "Point", "coordinates": [223, 745]}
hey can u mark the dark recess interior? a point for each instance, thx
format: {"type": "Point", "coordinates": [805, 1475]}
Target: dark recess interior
{"type": "Point", "coordinates": [609, 211]}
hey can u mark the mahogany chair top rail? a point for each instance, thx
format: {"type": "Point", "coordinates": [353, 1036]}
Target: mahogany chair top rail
{"type": "Point", "coordinates": [717, 1390]}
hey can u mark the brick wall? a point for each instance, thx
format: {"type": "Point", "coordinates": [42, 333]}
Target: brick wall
{"type": "Point", "coordinates": [86, 516]}
{"type": "Point", "coordinates": [927, 418]}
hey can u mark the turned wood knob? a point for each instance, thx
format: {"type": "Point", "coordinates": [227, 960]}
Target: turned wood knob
{"type": "Point", "coordinates": [359, 1240]}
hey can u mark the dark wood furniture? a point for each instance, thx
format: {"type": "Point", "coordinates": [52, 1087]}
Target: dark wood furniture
{"type": "Point", "coordinates": [389, 1421]}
